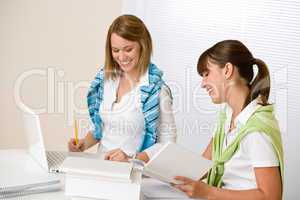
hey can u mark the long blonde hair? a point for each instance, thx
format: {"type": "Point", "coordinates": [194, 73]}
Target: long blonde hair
{"type": "Point", "coordinates": [130, 28]}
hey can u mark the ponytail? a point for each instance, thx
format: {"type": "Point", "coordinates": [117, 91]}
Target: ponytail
{"type": "Point", "coordinates": [236, 53]}
{"type": "Point", "coordinates": [261, 83]}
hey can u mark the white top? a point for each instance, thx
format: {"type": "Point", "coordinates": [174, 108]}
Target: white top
{"type": "Point", "coordinates": [255, 150]}
{"type": "Point", "coordinates": [123, 122]}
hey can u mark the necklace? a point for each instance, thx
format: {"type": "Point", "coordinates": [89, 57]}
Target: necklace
{"type": "Point", "coordinates": [231, 128]}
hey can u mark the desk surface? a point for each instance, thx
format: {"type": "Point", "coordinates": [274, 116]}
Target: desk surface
{"type": "Point", "coordinates": [148, 186]}
{"type": "Point", "coordinates": [150, 189]}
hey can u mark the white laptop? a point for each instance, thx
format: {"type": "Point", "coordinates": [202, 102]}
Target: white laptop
{"type": "Point", "coordinates": [49, 160]}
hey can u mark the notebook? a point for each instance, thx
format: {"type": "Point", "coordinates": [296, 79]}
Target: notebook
{"type": "Point", "coordinates": [33, 190]}
{"type": "Point", "coordinates": [101, 179]}
{"type": "Point", "coordinates": [19, 172]}
{"type": "Point", "coordinates": [104, 169]}
{"type": "Point", "coordinates": [174, 160]}
{"type": "Point", "coordinates": [49, 160]}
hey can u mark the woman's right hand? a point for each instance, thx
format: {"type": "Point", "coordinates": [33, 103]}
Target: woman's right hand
{"type": "Point", "coordinates": [76, 148]}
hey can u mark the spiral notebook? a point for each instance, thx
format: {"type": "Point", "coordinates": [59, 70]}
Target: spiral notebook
{"type": "Point", "coordinates": [20, 175]}
{"type": "Point", "coordinates": [34, 190]}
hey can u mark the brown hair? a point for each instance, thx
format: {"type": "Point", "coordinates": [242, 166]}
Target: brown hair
{"type": "Point", "coordinates": [130, 28]}
{"type": "Point", "coordinates": [236, 53]}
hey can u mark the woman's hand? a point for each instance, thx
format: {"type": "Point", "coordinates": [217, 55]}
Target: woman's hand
{"type": "Point", "coordinates": [76, 148]}
{"type": "Point", "coordinates": [83, 143]}
{"type": "Point", "coordinates": [194, 189]}
{"type": "Point", "coordinates": [116, 155]}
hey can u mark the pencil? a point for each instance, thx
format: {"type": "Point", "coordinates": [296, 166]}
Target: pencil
{"type": "Point", "coordinates": [75, 131]}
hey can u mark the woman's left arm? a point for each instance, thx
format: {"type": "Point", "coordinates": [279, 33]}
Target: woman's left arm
{"type": "Point", "coordinates": [166, 128]}
{"type": "Point", "coordinates": [269, 187]}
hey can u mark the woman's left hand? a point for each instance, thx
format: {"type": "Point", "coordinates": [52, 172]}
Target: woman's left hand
{"type": "Point", "coordinates": [194, 189]}
{"type": "Point", "coordinates": [116, 155]}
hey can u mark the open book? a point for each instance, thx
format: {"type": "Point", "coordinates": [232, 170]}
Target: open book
{"type": "Point", "coordinates": [174, 160]}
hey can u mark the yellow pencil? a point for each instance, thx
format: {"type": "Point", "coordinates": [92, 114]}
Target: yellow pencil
{"type": "Point", "coordinates": [76, 131]}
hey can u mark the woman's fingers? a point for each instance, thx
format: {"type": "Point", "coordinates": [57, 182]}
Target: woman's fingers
{"type": "Point", "coordinates": [109, 154]}
{"type": "Point", "coordinates": [116, 155]}
{"type": "Point", "coordinates": [190, 187]}
{"type": "Point", "coordinates": [72, 145]}
{"type": "Point", "coordinates": [80, 145]}
{"type": "Point", "coordinates": [184, 188]}
{"type": "Point", "coordinates": [76, 148]}
{"type": "Point", "coordinates": [183, 179]}
{"type": "Point", "coordinates": [187, 186]}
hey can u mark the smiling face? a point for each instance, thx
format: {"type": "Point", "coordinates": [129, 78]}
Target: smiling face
{"type": "Point", "coordinates": [125, 52]}
{"type": "Point", "coordinates": [213, 80]}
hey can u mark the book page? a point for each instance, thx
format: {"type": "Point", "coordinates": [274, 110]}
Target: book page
{"type": "Point", "coordinates": [174, 160]}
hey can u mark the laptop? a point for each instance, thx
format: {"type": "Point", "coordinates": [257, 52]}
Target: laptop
{"type": "Point", "coordinates": [49, 160]}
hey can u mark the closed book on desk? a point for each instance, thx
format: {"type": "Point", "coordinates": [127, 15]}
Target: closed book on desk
{"type": "Point", "coordinates": [102, 179]}
{"type": "Point", "coordinates": [98, 168]}
{"type": "Point", "coordinates": [32, 190]}
{"type": "Point", "coordinates": [174, 160]}
{"type": "Point", "coordinates": [19, 172]}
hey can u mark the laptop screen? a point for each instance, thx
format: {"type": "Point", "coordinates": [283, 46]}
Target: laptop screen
{"type": "Point", "coordinates": [34, 137]}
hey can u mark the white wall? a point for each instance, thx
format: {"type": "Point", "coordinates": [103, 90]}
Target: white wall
{"type": "Point", "coordinates": [182, 30]}
{"type": "Point", "coordinates": [49, 52]}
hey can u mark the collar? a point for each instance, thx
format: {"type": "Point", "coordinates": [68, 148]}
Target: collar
{"type": "Point", "coordinates": [144, 80]}
{"type": "Point", "coordinates": [243, 116]}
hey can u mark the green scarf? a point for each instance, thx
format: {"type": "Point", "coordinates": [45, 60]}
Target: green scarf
{"type": "Point", "coordinates": [262, 120]}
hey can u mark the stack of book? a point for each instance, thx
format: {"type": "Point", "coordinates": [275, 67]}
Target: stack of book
{"type": "Point", "coordinates": [102, 179]}
{"type": "Point", "coordinates": [21, 175]}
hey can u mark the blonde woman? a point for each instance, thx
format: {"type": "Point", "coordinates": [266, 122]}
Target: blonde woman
{"type": "Point", "coordinates": [130, 105]}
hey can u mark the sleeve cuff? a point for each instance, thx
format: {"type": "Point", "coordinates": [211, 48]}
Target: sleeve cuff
{"type": "Point", "coordinates": [265, 164]}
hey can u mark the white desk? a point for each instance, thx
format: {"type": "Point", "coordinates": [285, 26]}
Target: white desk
{"type": "Point", "coordinates": [151, 189]}
{"type": "Point", "coordinates": [152, 186]}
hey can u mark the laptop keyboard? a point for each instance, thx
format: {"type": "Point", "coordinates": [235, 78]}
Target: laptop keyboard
{"type": "Point", "coordinates": [55, 159]}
